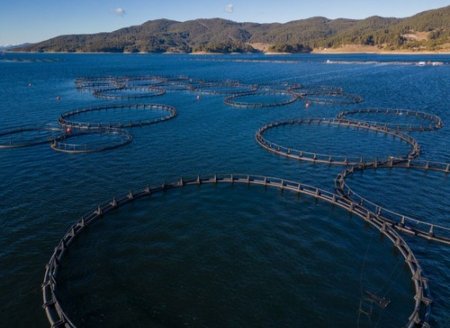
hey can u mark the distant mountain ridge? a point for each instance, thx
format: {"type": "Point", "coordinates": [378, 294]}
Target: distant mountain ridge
{"type": "Point", "coordinates": [429, 30]}
{"type": "Point", "coordinates": [13, 46]}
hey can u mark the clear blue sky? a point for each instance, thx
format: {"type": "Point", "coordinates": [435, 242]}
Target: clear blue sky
{"type": "Point", "coordinates": [37, 20]}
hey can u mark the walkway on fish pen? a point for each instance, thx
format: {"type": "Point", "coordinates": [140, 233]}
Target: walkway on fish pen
{"type": "Point", "coordinates": [396, 220]}
{"type": "Point", "coordinates": [325, 158]}
{"type": "Point", "coordinates": [58, 318]}
{"type": "Point", "coordinates": [435, 122]}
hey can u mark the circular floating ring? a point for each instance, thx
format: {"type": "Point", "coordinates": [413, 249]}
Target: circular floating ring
{"type": "Point", "coordinates": [66, 118]}
{"type": "Point", "coordinates": [276, 86]}
{"type": "Point", "coordinates": [435, 121]}
{"type": "Point", "coordinates": [137, 92]}
{"type": "Point", "coordinates": [176, 83]}
{"type": "Point", "coordinates": [317, 90]}
{"type": "Point", "coordinates": [97, 83]}
{"type": "Point", "coordinates": [396, 220]}
{"type": "Point", "coordinates": [142, 81]}
{"type": "Point", "coordinates": [234, 99]}
{"type": "Point", "coordinates": [325, 158]}
{"type": "Point", "coordinates": [122, 137]}
{"type": "Point", "coordinates": [333, 99]}
{"type": "Point", "coordinates": [223, 88]}
{"type": "Point", "coordinates": [51, 134]}
{"type": "Point", "coordinates": [325, 95]}
{"type": "Point", "coordinates": [55, 312]}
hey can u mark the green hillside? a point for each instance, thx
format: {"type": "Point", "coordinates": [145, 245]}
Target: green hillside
{"type": "Point", "coordinates": [428, 30]}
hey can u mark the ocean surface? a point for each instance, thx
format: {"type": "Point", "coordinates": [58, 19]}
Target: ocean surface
{"type": "Point", "coordinates": [226, 255]}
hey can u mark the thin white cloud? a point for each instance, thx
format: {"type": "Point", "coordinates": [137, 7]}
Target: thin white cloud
{"type": "Point", "coordinates": [229, 8]}
{"type": "Point", "coordinates": [120, 12]}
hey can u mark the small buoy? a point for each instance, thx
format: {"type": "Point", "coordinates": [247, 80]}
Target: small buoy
{"type": "Point", "coordinates": [198, 97]}
{"type": "Point", "coordinates": [69, 130]}
{"type": "Point", "coordinates": [307, 104]}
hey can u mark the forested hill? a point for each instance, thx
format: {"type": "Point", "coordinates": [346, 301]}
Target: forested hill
{"type": "Point", "coordinates": [428, 30]}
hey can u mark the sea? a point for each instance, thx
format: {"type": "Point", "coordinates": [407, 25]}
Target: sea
{"type": "Point", "coordinates": [219, 255]}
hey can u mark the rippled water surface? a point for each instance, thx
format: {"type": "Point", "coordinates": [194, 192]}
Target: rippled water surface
{"type": "Point", "coordinates": [118, 116]}
{"type": "Point", "coordinates": [226, 256]}
{"type": "Point", "coordinates": [198, 262]}
{"type": "Point", "coordinates": [391, 117]}
{"type": "Point", "coordinates": [387, 184]}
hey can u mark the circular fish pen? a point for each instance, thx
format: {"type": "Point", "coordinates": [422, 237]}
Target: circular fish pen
{"type": "Point", "coordinates": [317, 157]}
{"type": "Point", "coordinates": [56, 313]}
{"type": "Point", "coordinates": [223, 88]}
{"type": "Point", "coordinates": [97, 83]}
{"type": "Point", "coordinates": [255, 100]}
{"type": "Point", "coordinates": [333, 98]}
{"type": "Point", "coordinates": [315, 90]}
{"type": "Point", "coordinates": [422, 121]}
{"type": "Point", "coordinates": [91, 141]}
{"type": "Point", "coordinates": [134, 92]}
{"type": "Point", "coordinates": [401, 222]}
{"type": "Point", "coordinates": [176, 83]}
{"type": "Point", "coordinates": [26, 136]}
{"type": "Point", "coordinates": [67, 119]}
{"type": "Point", "coordinates": [116, 82]}
{"type": "Point", "coordinates": [141, 81]}
{"type": "Point", "coordinates": [325, 95]}
{"type": "Point", "coordinates": [275, 86]}
{"type": "Point", "coordinates": [93, 84]}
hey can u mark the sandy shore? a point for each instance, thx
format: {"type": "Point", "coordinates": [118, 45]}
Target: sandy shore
{"type": "Point", "coordinates": [343, 51]}
{"type": "Point", "coordinates": [204, 53]}
{"type": "Point", "coordinates": [357, 49]}
{"type": "Point", "coordinates": [276, 53]}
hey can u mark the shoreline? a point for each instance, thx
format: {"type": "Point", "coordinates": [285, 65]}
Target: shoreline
{"type": "Point", "coordinates": [394, 52]}
{"type": "Point", "coordinates": [363, 49]}
{"type": "Point", "coordinates": [268, 53]}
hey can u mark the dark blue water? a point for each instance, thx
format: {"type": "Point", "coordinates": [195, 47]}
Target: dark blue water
{"type": "Point", "coordinates": [222, 256]}
{"type": "Point", "coordinates": [118, 116]}
{"type": "Point", "coordinates": [384, 118]}
{"type": "Point", "coordinates": [337, 141]}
